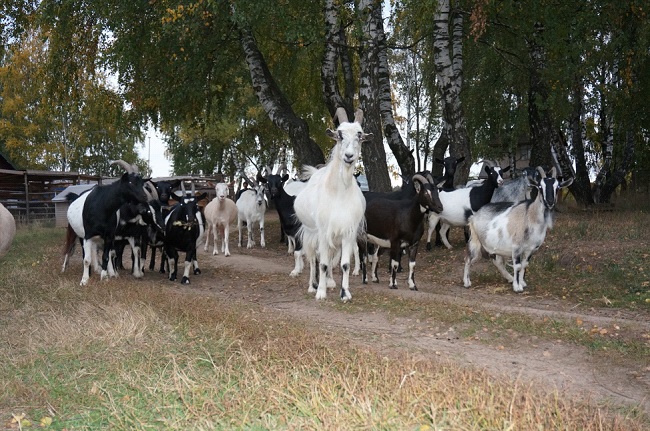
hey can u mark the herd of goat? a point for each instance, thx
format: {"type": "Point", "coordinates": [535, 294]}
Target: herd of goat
{"type": "Point", "coordinates": [325, 216]}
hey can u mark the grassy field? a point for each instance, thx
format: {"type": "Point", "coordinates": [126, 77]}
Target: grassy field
{"type": "Point", "coordinates": [147, 356]}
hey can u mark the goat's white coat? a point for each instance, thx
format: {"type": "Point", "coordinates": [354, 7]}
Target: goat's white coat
{"type": "Point", "coordinates": [251, 207]}
{"type": "Point", "coordinates": [512, 232]}
{"type": "Point", "coordinates": [7, 230]}
{"type": "Point", "coordinates": [219, 214]}
{"type": "Point", "coordinates": [90, 245]}
{"type": "Point", "coordinates": [331, 209]}
{"type": "Point", "coordinates": [455, 204]}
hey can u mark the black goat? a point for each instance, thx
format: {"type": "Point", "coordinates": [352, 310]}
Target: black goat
{"type": "Point", "coordinates": [288, 220]}
{"type": "Point", "coordinates": [136, 225]}
{"type": "Point", "coordinates": [396, 224]}
{"type": "Point", "coordinates": [92, 218]}
{"type": "Point", "coordinates": [183, 228]}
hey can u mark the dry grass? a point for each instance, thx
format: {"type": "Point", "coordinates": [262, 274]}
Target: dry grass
{"type": "Point", "coordinates": [144, 355]}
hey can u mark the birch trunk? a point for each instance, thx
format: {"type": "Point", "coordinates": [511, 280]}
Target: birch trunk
{"type": "Point", "coordinates": [400, 150]}
{"type": "Point", "coordinates": [277, 106]}
{"type": "Point", "coordinates": [447, 55]}
{"type": "Point", "coordinates": [581, 188]}
{"type": "Point", "coordinates": [374, 155]}
{"type": "Point", "coordinates": [334, 44]}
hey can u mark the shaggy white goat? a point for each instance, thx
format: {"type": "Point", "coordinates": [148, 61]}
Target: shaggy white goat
{"type": "Point", "coordinates": [513, 230]}
{"type": "Point", "coordinates": [219, 213]}
{"type": "Point", "coordinates": [251, 207]}
{"type": "Point", "coordinates": [331, 206]}
{"type": "Point", "coordinates": [7, 229]}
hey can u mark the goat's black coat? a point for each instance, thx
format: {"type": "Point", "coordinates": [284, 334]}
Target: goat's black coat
{"type": "Point", "coordinates": [99, 209]}
{"type": "Point", "coordinates": [401, 222]}
{"type": "Point", "coordinates": [182, 230]}
{"type": "Point", "coordinates": [284, 205]}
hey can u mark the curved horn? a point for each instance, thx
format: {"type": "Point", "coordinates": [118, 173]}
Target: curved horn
{"type": "Point", "coordinates": [132, 169]}
{"type": "Point", "coordinates": [358, 116]}
{"type": "Point", "coordinates": [553, 173]}
{"type": "Point", "coordinates": [248, 180]}
{"type": "Point", "coordinates": [151, 189]}
{"type": "Point", "coordinates": [282, 168]}
{"type": "Point", "coordinates": [420, 178]}
{"type": "Point", "coordinates": [341, 115]}
{"type": "Point", "coordinates": [541, 172]}
{"type": "Point", "coordinates": [183, 188]}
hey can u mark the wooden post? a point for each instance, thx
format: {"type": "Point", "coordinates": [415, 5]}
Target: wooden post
{"type": "Point", "coordinates": [26, 198]}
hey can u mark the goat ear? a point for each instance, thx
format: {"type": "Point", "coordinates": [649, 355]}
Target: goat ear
{"type": "Point", "coordinates": [461, 160]}
{"type": "Point", "coordinates": [260, 178]}
{"type": "Point", "coordinates": [332, 134]}
{"type": "Point", "coordinates": [417, 186]}
{"type": "Point", "coordinates": [285, 177]}
{"type": "Point", "coordinates": [367, 137]}
{"type": "Point", "coordinates": [506, 169]}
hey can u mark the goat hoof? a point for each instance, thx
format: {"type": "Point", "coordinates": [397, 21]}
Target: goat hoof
{"type": "Point", "coordinates": [413, 288]}
{"type": "Point", "coordinates": [185, 280]}
{"type": "Point", "coordinates": [392, 287]}
{"type": "Point", "coordinates": [197, 271]}
{"type": "Point", "coordinates": [429, 246]}
{"type": "Point", "coordinates": [172, 278]}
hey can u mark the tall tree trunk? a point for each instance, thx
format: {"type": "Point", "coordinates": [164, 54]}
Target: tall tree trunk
{"type": "Point", "coordinates": [581, 187]}
{"type": "Point", "coordinates": [439, 150]}
{"type": "Point", "coordinates": [401, 151]}
{"type": "Point", "coordinates": [448, 62]}
{"type": "Point", "coordinates": [374, 155]}
{"type": "Point", "coordinates": [277, 106]}
{"type": "Point", "coordinates": [334, 44]}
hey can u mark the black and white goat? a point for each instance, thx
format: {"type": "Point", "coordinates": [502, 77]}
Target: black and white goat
{"type": "Point", "coordinates": [446, 183]}
{"type": "Point", "coordinates": [92, 217]}
{"type": "Point", "coordinates": [137, 225]}
{"type": "Point", "coordinates": [287, 214]}
{"type": "Point", "coordinates": [460, 204]}
{"type": "Point", "coordinates": [331, 207]}
{"type": "Point", "coordinates": [513, 230]}
{"type": "Point", "coordinates": [7, 229]}
{"type": "Point", "coordinates": [183, 230]}
{"type": "Point", "coordinates": [398, 224]}
{"type": "Point", "coordinates": [517, 189]}
{"type": "Point", "coordinates": [219, 214]}
{"type": "Point", "coordinates": [251, 207]}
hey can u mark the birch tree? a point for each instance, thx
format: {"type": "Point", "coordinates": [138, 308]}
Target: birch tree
{"type": "Point", "coordinates": [448, 60]}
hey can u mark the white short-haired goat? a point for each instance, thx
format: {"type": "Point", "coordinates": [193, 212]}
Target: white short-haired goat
{"type": "Point", "coordinates": [219, 214]}
{"type": "Point", "coordinates": [331, 206]}
{"type": "Point", "coordinates": [251, 207]}
{"type": "Point", "coordinates": [7, 229]}
{"type": "Point", "coordinates": [513, 230]}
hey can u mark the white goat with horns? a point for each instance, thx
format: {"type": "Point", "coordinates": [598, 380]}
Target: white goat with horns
{"type": "Point", "coordinates": [331, 206]}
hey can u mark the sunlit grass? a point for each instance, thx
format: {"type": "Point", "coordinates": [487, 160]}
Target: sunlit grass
{"type": "Point", "coordinates": [145, 354]}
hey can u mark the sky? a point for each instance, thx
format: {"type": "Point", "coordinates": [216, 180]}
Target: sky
{"type": "Point", "coordinates": [154, 151]}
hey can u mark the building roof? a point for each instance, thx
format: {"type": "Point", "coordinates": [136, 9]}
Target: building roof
{"type": "Point", "coordinates": [77, 189]}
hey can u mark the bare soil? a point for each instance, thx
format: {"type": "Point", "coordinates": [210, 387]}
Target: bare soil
{"type": "Point", "coordinates": [260, 276]}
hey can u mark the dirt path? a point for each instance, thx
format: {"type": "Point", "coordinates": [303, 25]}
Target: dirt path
{"type": "Point", "coordinates": [555, 364]}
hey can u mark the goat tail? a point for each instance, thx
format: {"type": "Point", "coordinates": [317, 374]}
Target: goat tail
{"type": "Point", "coordinates": [70, 238]}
